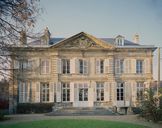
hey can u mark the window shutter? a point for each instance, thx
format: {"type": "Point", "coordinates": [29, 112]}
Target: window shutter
{"type": "Point", "coordinates": [20, 91]}
{"type": "Point", "coordinates": [106, 66]}
{"type": "Point", "coordinates": [16, 64]}
{"type": "Point", "coordinates": [110, 66]}
{"type": "Point", "coordinates": [85, 66]}
{"type": "Point", "coordinates": [76, 96]}
{"type": "Point", "coordinates": [59, 66]}
{"type": "Point", "coordinates": [71, 92]}
{"type": "Point", "coordinates": [133, 65]}
{"type": "Point", "coordinates": [49, 66]}
{"type": "Point", "coordinates": [147, 65]}
{"type": "Point", "coordinates": [77, 67]}
{"type": "Point", "coordinates": [97, 66]}
{"type": "Point", "coordinates": [58, 92]}
{"type": "Point", "coordinates": [51, 92]}
{"type": "Point", "coordinates": [117, 66]}
{"type": "Point", "coordinates": [90, 92]}
{"type": "Point", "coordinates": [72, 66]}
{"type": "Point", "coordinates": [126, 66]}
{"type": "Point", "coordinates": [106, 91]}
{"type": "Point", "coordinates": [93, 84]}
{"type": "Point", "coordinates": [134, 91]}
{"type": "Point", "coordinates": [37, 93]}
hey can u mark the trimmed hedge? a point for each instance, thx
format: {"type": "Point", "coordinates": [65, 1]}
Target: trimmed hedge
{"type": "Point", "coordinates": [27, 108]}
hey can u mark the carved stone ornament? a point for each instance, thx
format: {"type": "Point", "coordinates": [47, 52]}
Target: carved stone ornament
{"type": "Point", "coordinates": [81, 42]}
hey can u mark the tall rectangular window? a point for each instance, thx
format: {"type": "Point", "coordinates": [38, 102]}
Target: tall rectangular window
{"type": "Point", "coordinates": [120, 92]}
{"type": "Point", "coordinates": [83, 66]}
{"type": "Point", "coordinates": [101, 66]}
{"type": "Point", "coordinates": [45, 66]}
{"type": "Point", "coordinates": [23, 92]}
{"type": "Point", "coordinates": [119, 66]}
{"type": "Point", "coordinates": [65, 92]}
{"type": "Point", "coordinates": [65, 66]}
{"type": "Point", "coordinates": [44, 92]}
{"type": "Point", "coordinates": [140, 90]}
{"type": "Point", "coordinates": [83, 92]}
{"type": "Point", "coordinates": [100, 91]}
{"type": "Point", "coordinates": [139, 66]}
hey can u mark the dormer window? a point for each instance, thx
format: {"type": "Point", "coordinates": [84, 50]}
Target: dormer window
{"type": "Point", "coordinates": [119, 40]}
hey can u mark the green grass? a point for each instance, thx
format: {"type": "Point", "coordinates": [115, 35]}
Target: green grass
{"type": "Point", "coordinates": [71, 123]}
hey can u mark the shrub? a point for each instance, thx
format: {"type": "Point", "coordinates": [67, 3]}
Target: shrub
{"type": "Point", "coordinates": [150, 108]}
{"type": "Point", "coordinates": [26, 108]}
{"type": "Point", "coordinates": [136, 110]}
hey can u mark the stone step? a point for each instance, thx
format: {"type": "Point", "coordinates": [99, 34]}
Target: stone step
{"type": "Point", "coordinates": [81, 111]}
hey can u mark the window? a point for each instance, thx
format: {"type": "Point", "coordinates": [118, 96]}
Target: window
{"type": "Point", "coordinates": [44, 92]}
{"type": "Point", "coordinates": [83, 66]}
{"type": "Point", "coordinates": [65, 92]}
{"type": "Point", "coordinates": [65, 66]}
{"type": "Point", "coordinates": [140, 90]}
{"type": "Point", "coordinates": [120, 91]}
{"type": "Point", "coordinates": [139, 66]}
{"type": "Point", "coordinates": [119, 66]}
{"type": "Point", "coordinates": [100, 91]}
{"type": "Point", "coordinates": [24, 91]}
{"type": "Point", "coordinates": [83, 92]}
{"type": "Point", "coordinates": [45, 66]}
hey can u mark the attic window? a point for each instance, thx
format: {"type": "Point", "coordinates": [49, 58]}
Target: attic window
{"type": "Point", "coordinates": [119, 41]}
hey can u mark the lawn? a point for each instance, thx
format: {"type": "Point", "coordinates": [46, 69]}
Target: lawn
{"type": "Point", "coordinates": [71, 123]}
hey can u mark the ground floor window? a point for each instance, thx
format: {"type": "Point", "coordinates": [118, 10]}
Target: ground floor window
{"type": "Point", "coordinates": [120, 91]}
{"type": "Point", "coordinates": [65, 92]}
{"type": "Point", "coordinates": [83, 92]}
{"type": "Point", "coordinates": [140, 90]}
{"type": "Point", "coordinates": [44, 92]}
{"type": "Point", "coordinates": [100, 91]}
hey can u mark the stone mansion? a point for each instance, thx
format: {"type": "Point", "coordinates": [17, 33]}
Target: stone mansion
{"type": "Point", "coordinates": [82, 71]}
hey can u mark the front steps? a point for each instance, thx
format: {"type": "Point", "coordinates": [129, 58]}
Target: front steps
{"type": "Point", "coordinates": [71, 111]}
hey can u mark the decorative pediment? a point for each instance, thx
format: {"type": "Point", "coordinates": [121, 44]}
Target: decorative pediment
{"type": "Point", "coordinates": [83, 41]}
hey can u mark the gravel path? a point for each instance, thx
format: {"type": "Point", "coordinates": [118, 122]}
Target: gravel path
{"type": "Point", "coordinates": [124, 118]}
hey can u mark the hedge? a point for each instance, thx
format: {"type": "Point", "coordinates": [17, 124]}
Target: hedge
{"type": "Point", "coordinates": [26, 108]}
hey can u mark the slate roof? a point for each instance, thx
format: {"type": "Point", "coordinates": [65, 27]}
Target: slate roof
{"type": "Point", "coordinates": [107, 40]}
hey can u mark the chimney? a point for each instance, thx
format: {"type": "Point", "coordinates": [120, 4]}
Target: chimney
{"type": "Point", "coordinates": [23, 38]}
{"type": "Point", "coordinates": [47, 35]}
{"type": "Point", "coordinates": [136, 38]}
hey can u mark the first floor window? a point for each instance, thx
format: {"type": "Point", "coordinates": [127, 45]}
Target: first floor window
{"type": "Point", "coordinates": [44, 92]}
{"type": "Point", "coordinates": [45, 66]}
{"type": "Point", "coordinates": [140, 90]}
{"type": "Point", "coordinates": [120, 91]}
{"type": "Point", "coordinates": [83, 66]}
{"type": "Point", "coordinates": [100, 91]}
{"type": "Point", "coordinates": [65, 66]}
{"type": "Point", "coordinates": [65, 92]}
{"type": "Point", "coordinates": [139, 66]}
{"type": "Point", "coordinates": [83, 92]}
{"type": "Point", "coordinates": [119, 66]}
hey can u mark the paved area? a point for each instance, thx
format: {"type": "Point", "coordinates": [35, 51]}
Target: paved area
{"type": "Point", "coordinates": [124, 118]}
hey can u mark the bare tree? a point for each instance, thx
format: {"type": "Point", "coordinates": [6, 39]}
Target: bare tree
{"type": "Point", "coordinates": [17, 19]}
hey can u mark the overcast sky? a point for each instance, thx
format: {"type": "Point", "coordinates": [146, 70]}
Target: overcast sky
{"type": "Point", "coordinates": [104, 18]}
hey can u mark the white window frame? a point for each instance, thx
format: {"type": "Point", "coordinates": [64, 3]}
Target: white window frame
{"type": "Point", "coordinates": [65, 66]}
{"type": "Point", "coordinates": [45, 66]}
{"type": "Point", "coordinates": [140, 90]}
{"type": "Point", "coordinates": [83, 69]}
{"type": "Point", "coordinates": [119, 66]}
{"type": "Point", "coordinates": [83, 92]}
{"type": "Point", "coordinates": [66, 90]}
{"type": "Point", "coordinates": [100, 91]}
{"type": "Point", "coordinates": [139, 66]}
{"type": "Point", "coordinates": [45, 92]}
{"type": "Point", "coordinates": [120, 92]}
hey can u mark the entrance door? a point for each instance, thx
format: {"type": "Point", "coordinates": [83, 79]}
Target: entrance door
{"type": "Point", "coordinates": [81, 94]}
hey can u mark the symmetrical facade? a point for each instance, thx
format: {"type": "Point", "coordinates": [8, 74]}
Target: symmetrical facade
{"type": "Point", "coordinates": [84, 71]}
